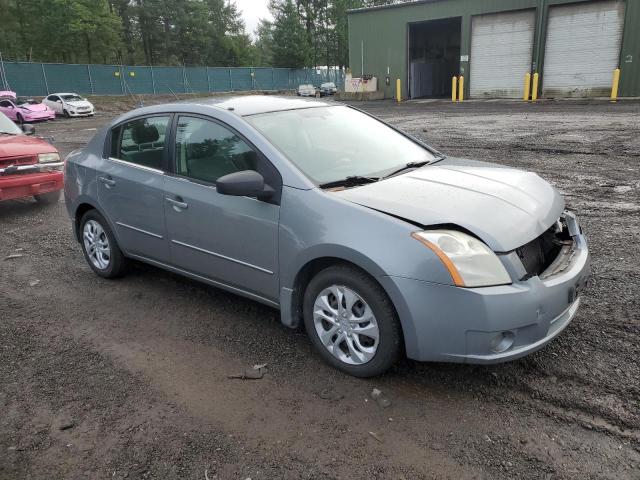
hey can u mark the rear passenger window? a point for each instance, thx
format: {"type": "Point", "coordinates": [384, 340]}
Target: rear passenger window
{"type": "Point", "coordinates": [141, 141]}
{"type": "Point", "coordinates": [207, 151]}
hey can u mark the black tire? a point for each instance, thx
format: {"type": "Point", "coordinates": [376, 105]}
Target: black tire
{"type": "Point", "coordinates": [390, 334]}
{"type": "Point", "coordinates": [19, 119]}
{"type": "Point", "coordinates": [117, 265]}
{"type": "Point", "coordinates": [49, 198]}
{"type": "Point", "coordinates": [65, 113]}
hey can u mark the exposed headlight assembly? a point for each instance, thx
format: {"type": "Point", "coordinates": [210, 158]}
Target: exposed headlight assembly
{"type": "Point", "coordinates": [469, 261]}
{"type": "Point", "coordinates": [48, 157]}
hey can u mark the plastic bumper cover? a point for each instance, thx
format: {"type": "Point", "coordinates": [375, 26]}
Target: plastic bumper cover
{"type": "Point", "coordinates": [26, 185]}
{"type": "Point", "coordinates": [452, 324]}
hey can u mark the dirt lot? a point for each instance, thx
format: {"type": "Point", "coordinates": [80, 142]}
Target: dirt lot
{"type": "Point", "coordinates": [128, 378]}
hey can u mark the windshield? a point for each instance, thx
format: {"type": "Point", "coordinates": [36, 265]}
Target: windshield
{"type": "Point", "coordinates": [72, 98]}
{"type": "Point", "coordinates": [7, 126]}
{"type": "Point", "coordinates": [26, 101]}
{"type": "Point", "coordinates": [331, 143]}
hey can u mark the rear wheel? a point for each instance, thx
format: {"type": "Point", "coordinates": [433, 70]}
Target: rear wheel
{"type": "Point", "coordinates": [100, 247]}
{"type": "Point", "coordinates": [351, 321]}
{"type": "Point", "coordinates": [48, 198]}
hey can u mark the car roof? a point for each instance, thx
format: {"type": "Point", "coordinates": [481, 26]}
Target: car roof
{"type": "Point", "coordinates": [64, 93]}
{"type": "Point", "coordinates": [256, 104]}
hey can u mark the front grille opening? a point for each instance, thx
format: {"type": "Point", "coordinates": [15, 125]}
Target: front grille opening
{"type": "Point", "coordinates": [539, 254]}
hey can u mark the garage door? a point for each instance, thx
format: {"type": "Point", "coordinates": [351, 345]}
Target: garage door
{"type": "Point", "coordinates": [501, 49]}
{"type": "Point", "coordinates": [583, 48]}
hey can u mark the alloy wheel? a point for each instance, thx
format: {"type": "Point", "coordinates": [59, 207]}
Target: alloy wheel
{"type": "Point", "coordinates": [346, 325]}
{"type": "Point", "coordinates": [96, 244]}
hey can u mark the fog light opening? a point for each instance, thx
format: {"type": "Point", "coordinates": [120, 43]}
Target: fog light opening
{"type": "Point", "coordinates": [502, 342]}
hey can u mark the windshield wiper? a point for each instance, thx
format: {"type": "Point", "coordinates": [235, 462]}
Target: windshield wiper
{"type": "Point", "coordinates": [408, 166]}
{"type": "Point", "coordinates": [352, 181]}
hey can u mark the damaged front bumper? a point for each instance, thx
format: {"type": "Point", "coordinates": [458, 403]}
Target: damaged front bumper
{"type": "Point", "coordinates": [492, 324]}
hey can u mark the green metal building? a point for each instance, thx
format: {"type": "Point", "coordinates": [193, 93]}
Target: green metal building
{"type": "Point", "coordinates": [573, 45]}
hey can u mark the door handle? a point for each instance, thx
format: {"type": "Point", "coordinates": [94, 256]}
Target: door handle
{"type": "Point", "coordinates": [177, 203]}
{"type": "Point", "coordinates": [109, 182]}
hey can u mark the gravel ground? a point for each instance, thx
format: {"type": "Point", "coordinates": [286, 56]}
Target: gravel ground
{"type": "Point", "coordinates": [128, 378]}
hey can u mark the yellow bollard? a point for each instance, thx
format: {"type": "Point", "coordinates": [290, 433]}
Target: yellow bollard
{"type": "Point", "coordinates": [527, 87]}
{"type": "Point", "coordinates": [454, 89]}
{"type": "Point", "coordinates": [616, 84]}
{"type": "Point", "coordinates": [534, 92]}
{"type": "Point", "coordinates": [398, 90]}
{"type": "Point", "coordinates": [461, 91]}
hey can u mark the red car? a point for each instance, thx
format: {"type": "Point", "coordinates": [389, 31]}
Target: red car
{"type": "Point", "coordinates": [29, 166]}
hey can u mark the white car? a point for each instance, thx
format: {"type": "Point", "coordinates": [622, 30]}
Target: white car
{"type": "Point", "coordinates": [306, 91]}
{"type": "Point", "coordinates": [69, 104]}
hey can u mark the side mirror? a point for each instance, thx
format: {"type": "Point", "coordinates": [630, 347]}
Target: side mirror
{"type": "Point", "coordinates": [247, 183]}
{"type": "Point", "coordinates": [28, 129]}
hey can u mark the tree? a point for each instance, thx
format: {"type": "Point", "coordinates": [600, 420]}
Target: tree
{"type": "Point", "coordinates": [290, 40]}
{"type": "Point", "coordinates": [264, 44]}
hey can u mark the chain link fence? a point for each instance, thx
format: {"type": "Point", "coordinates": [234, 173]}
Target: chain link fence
{"type": "Point", "coordinates": [40, 79]}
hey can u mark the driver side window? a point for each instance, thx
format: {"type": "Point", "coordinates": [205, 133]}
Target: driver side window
{"type": "Point", "coordinates": [206, 151]}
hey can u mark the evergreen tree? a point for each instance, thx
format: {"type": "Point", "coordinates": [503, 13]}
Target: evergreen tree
{"type": "Point", "coordinates": [290, 40]}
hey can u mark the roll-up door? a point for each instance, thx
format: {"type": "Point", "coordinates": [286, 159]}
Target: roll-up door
{"type": "Point", "coordinates": [501, 49]}
{"type": "Point", "coordinates": [582, 48]}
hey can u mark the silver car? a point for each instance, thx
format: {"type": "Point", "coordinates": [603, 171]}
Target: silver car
{"type": "Point", "coordinates": [378, 244]}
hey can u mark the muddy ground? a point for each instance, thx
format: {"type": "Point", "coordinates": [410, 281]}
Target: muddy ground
{"type": "Point", "coordinates": [128, 378]}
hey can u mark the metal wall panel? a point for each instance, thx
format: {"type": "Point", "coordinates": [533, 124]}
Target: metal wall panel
{"type": "Point", "coordinates": [582, 48]}
{"type": "Point", "coordinates": [501, 52]}
{"type": "Point", "coordinates": [378, 36]}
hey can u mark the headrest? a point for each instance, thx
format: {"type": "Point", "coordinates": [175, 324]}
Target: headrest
{"type": "Point", "coordinates": [144, 133]}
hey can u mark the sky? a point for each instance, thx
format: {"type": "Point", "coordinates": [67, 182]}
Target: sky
{"type": "Point", "coordinates": [252, 12]}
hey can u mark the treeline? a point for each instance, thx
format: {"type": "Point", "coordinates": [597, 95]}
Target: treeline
{"type": "Point", "coordinates": [176, 32]}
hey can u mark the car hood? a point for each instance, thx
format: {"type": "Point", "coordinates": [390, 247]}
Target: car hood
{"type": "Point", "coordinates": [18, 145]}
{"type": "Point", "coordinates": [35, 108]}
{"type": "Point", "coordinates": [79, 104]}
{"type": "Point", "coordinates": [505, 207]}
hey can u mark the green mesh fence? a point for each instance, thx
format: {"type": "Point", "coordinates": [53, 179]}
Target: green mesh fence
{"type": "Point", "coordinates": [40, 79]}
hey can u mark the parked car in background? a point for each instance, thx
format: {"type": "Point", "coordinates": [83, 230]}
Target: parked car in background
{"type": "Point", "coordinates": [29, 166]}
{"type": "Point", "coordinates": [69, 104]}
{"type": "Point", "coordinates": [328, 88]}
{"type": "Point", "coordinates": [381, 245]}
{"type": "Point", "coordinates": [307, 90]}
{"type": "Point", "coordinates": [24, 109]}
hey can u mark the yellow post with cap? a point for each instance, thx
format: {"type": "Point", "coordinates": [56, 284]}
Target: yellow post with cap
{"type": "Point", "coordinates": [534, 92]}
{"type": "Point", "coordinates": [398, 90]}
{"type": "Point", "coordinates": [454, 89]}
{"type": "Point", "coordinates": [461, 89]}
{"type": "Point", "coordinates": [527, 87]}
{"type": "Point", "coordinates": [616, 84]}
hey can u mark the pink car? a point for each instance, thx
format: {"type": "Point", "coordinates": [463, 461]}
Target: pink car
{"type": "Point", "coordinates": [24, 109]}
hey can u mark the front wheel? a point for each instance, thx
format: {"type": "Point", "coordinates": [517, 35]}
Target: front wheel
{"type": "Point", "coordinates": [19, 119]}
{"type": "Point", "coordinates": [66, 113]}
{"type": "Point", "coordinates": [99, 246]}
{"type": "Point", "coordinates": [352, 322]}
{"type": "Point", "coordinates": [48, 198]}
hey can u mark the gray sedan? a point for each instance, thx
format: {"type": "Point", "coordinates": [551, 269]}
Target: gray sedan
{"type": "Point", "coordinates": [378, 244]}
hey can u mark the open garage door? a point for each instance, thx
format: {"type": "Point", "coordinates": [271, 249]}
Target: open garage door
{"type": "Point", "coordinates": [582, 49]}
{"type": "Point", "coordinates": [434, 57]}
{"type": "Point", "coordinates": [501, 50]}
